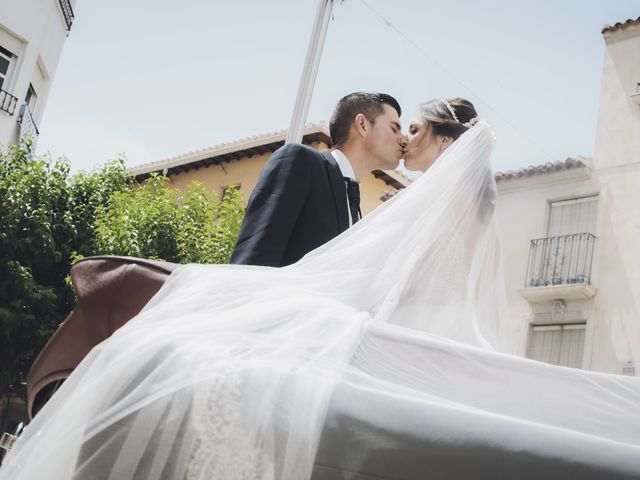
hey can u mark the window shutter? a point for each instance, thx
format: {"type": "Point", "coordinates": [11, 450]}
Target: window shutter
{"type": "Point", "coordinates": [557, 344]}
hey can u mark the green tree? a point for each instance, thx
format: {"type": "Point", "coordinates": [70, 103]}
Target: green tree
{"type": "Point", "coordinates": [89, 192]}
{"type": "Point", "coordinates": [208, 227]}
{"type": "Point", "coordinates": [50, 218]}
{"type": "Point", "coordinates": [45, 220]}
{"type": "Point", "coordinates": [153, 220]}
{"type": "Point", "coordinates": [140, 221]}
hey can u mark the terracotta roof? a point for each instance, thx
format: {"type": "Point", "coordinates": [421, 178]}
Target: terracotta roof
{"type": "Point", "coordinates": [626, 23]}
{"type": "Point", "coordinates": [393, 178]}
{"type": "Point", "coordinates": [227, 152]}
{"type": "Point", "coordinates": [550, 167]}
{"type": "Point", "coordinates": [247, 147]}
{"type": "Point", "coordinates": [387, 194]}
{"type": "Point", "coordinates": [403, 176]}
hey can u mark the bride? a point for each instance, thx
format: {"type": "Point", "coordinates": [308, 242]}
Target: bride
{"type": "Point", "coordinates": [230, 371]}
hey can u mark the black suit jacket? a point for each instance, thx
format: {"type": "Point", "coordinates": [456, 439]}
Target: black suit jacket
{"type": "Point", "coordinates": [298, 204]}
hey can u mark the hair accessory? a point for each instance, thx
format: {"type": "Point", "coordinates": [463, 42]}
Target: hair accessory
{"type": "Point", "coordinates": [468, 124]}
{"type": "Point", "coordinates": [471, 122]}
{"type": "Point", "coordinates": [453, 114]}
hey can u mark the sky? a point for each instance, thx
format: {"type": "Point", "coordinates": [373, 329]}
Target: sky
{"type": "Point", "coordinates": [152, 79]}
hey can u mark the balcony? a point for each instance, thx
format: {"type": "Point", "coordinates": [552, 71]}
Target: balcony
{"type": "Point", "coordinates": [560, 268]}
{"type": "Point", "coordinates": [67, 11]}
{"type": "Point", "coordinates": [7, 102]}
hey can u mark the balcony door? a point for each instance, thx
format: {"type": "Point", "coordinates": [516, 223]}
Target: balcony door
{"type": "Point", "coordinates": [571, 240]}
{"type": "Point", "coordinates": [573, 216]}
{"type": "Point", "coordinates": [565, 255]}
{"type": "Point", "coordinates": [557, 344]}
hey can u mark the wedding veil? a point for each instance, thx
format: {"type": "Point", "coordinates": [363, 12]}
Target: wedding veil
{"type": "Point", "coordinates": [229, 371]}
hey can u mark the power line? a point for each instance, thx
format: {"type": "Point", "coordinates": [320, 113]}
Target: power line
{"type": "Point", "coordinates": [423, 52]}
{"type": "Point", "coordinates": [627, 217]}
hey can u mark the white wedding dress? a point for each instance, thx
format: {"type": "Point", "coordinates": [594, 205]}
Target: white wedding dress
{"type": "Point", "coordinates": [229, 371]}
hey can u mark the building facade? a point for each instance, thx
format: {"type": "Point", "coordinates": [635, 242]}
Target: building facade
{"type": "Point", "coordinates": [571, 234]}
{"type": "Point", "coordinates": [239, 163]}
{"type": "Point", "coordinates": [32, 34]}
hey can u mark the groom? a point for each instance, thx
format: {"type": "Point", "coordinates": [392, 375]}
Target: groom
{"type": "Point", "coordinates": [304, 198]}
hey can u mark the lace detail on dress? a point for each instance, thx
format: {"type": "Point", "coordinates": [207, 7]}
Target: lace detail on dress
{"type": "Point", "coordinates": [452, 275]}
{"type": "Point", "coordinates": [223, 447]}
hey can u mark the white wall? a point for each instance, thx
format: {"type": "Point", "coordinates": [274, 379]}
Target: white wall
{"type": "Point", "coordinates": [618, 132]}
{"type": "Point", "coordinates": [612, 315]}
{"type": "Point", "coordinates": [38, 28]}
{"type": "Point", "coordinates": [617, 304]}
{"type": "Point", "coordinates": [617, 164]}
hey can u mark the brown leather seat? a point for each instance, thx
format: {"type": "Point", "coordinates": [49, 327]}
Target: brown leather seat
{"type": "Point", "coordinates": [110, 291]}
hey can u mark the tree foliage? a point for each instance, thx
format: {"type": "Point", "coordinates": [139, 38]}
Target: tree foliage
{"type": "Point", "coordinates": [49, 218]}
{"type": "Point", "coordinates": [45, 220]}
{"type": "Point", "coordinates": [154, 221]}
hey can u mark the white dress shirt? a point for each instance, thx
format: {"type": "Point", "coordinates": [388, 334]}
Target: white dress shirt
{"type": "Point", "coordinates": [347, 171]}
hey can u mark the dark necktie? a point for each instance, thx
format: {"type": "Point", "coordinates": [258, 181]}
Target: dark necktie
{"type": "Point", "coordinates": [353, 195]}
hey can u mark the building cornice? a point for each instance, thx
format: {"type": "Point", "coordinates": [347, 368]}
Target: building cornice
{"type": "Point", "coordinates": [393, 178]}
{"type": "Point", "coordinates": [227, 152]}
{"type": "Point", "coordinates": [546, 168]}
{"type": "Point", "coordinates": [571, 169]}
{"type": "Point", "coordinates": [248, 147]}
{"type": "Point", "coordinates": [621, 25]}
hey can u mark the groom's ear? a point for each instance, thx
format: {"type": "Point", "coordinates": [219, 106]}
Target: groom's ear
{"type": "Point", "coordinates": [361, 124]}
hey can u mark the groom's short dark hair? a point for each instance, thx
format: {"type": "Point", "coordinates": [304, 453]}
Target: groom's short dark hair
{"type": "Point", "coordinates": [369, 104]}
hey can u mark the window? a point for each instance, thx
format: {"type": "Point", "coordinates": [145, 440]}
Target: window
{"type": "Point", "coordinates": [5, 67]}
{"type": "Point", "coordinates": [573, 216]}
{"type": "Point", "coordinates": [31, 98]}
{"type": "Point", "coordinates": [7, 101]}
{"type": "Point", "coordinates": [557, 344]}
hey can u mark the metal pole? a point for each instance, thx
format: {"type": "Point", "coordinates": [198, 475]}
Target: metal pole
{"type": "Point", "coordinates": [309, 72]}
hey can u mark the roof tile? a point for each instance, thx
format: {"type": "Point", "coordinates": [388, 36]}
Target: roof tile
{"type": "Point", "coordinates": [619, 25]}
{"type": "Point", "coordinates": [549, 167]}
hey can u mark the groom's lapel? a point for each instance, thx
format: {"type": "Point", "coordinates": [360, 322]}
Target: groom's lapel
{"type": "Point", "coordinates": [338, 190]}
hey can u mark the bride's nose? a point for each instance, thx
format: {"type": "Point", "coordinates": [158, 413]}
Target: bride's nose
{"type": "Point", "coordinates": [404, 141]}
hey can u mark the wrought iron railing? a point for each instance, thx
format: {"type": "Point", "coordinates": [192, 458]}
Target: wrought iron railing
{"type": "Point", "coordinates": [67, 11]}
{"type": "Point", "coordinates": [7, 102]}
{"type": "Point", "coordinates": [560, 260]}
